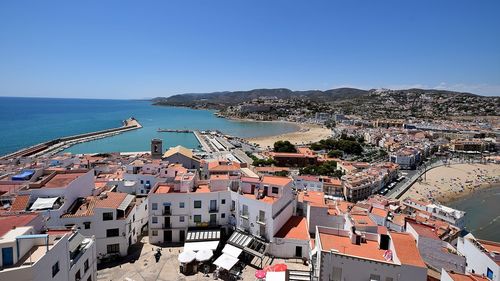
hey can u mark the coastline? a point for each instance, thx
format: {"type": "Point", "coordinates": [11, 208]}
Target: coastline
{"type": "Point", "coordinates": [446, 184]}
{"type": "Point", "coordinates": [305, 134]}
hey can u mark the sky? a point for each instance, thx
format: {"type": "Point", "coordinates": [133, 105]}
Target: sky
{"type": "Point", "coordinates": [141, 49]}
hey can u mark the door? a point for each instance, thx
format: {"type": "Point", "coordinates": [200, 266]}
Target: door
{"type": "Point", "coordinates": [213, 206]}
{"type": "Point", "coordinates": [167, 236]}
{"type": "Point", "coordinates": [7, 256]}
{"type": "Point", "coordinates": [166, 210]}
{"type": "Point", "coordinates": [298, 251]}
{"type": "Point", "coordinates": [182, 235]}
{"type": "Point", "coordinates": [167, 222]}
{"type": "Point", "coordinates": [213, 219]}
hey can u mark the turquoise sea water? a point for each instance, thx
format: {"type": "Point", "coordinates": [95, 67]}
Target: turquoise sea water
{"type": "Point", "coordinates": [28, 121]}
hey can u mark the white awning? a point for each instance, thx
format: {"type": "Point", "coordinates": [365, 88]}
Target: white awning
{"type": "Point", "coordinates": [44, 203]}
{"type": "Point", "coordinates": [196, 246]}
{"type": "Point", "coordinates": [202, 235]}
{"type": "Point", "coordinates": [232, 250]}
{"type": "Point", "coordinates": [276, 276]}
{"type": "Point", "coordinates": [226, 261]}
{"type": "Point", "coordinates": [124, 204]}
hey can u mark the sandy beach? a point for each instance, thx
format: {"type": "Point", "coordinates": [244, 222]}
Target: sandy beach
{"type": "Point", "coordinates": [446, 183]}
{"type": "Point", "coordinates": [307, 133]}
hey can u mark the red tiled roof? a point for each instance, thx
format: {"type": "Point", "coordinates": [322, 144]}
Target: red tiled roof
{"type": "Point", "coordinates": [8, 223]}
{"type": "Point", "coordinates": [62, 180]}
{"type": "Point", "coordinates": [424, 230]}
{"type": "Point", "coordinates": [112, 200]}
{"type": "Point", "coordinates": [279, 181]}
{"type": "Point", "coordinates": [315, 198]}
{"type": "Point", "coordinates": [294, 228]}
{"type": "Point", "coordinates": [406, 249]}
{"type": "Point", "coordinates": [343, 244]}
{"type": "Point", "coordinates": [466, 277]}
{"type": "Point", "coordinates": [20, 203]}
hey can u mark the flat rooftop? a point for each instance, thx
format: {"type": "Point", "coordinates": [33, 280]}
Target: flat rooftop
{"type": "Point", "coordinates": [61, 180]}
{"type": "Point", "coordinates": [342, 244]}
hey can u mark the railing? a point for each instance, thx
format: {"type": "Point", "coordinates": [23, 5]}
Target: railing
{"type": "Point", "coordinates": [167, 225]}
{"type": "Point", "coordinates": [167, 212]}
{"type": "Point", "coordinates": [213, 210]}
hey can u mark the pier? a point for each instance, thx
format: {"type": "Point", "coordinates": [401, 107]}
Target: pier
{"type": "Point", "coordinates": [160, 130]}
{"type": "Point", "coordinates": [60, 144]}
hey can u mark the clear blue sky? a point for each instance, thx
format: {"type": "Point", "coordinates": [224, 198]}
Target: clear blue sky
{"type": "Point", "coordinates": [137, 49]}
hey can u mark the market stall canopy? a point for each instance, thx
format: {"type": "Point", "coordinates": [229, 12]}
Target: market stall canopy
{"type": "Point", "coordinates": [197, 246]}
{"type": "Point", "coordinates": [232, 250]}
{"type": "Point", "coordinates": [44, 203]}
{"type": "Point", "coordinates": [186, 256]}
{"type": "Point", "coordinates": [204, 254]}
{"type": "Point", "coordinates": [226, 261]}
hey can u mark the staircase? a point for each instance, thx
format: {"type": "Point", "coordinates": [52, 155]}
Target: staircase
{"type": "Point", "coordinates": [299, 275]}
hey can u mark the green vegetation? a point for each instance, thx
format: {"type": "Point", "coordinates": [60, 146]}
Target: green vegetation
{"type": "Point", "coordinates": [282, 174]}
{"type": "Point", "coordinates": [328, 168]}
{"type": "Point", "coordinates": [335, 153]}
{"type": "Point", "coordinates": [349, 146]}
{"type": "Point", "coordinates": [284, 146]}
{"type": "Point", "coordinates": [261, 162]}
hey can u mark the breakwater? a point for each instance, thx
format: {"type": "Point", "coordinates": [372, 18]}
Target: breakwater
{"type": "Point", "coordinates": [59, 144]}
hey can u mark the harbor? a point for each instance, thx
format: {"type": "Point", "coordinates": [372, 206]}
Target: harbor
{"type": "Point", "coordinates": [57, 145]}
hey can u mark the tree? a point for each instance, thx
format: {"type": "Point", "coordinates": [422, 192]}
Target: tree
{"type": "Point", "coordinates": [335, 153]}
{"type": "Point", "coordinates": [284, 146]}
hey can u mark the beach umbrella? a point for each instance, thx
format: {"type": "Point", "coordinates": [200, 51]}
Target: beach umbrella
{"type": "Point", "coordinates": [280, 267]}
{"type": "Point", "coordinates": [204, 254]}
{"type": "Point", "coordinates": [260, 274]}
{"type": "Point", "coordinates": [186, 256]}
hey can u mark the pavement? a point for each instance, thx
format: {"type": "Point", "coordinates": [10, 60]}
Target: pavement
{"type": "Point", "coordinates": [140, 265]}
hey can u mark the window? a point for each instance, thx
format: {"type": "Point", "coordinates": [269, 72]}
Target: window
{"type": "Point", "coordinates": [245, 210]}
{"type": "Point", "coordinates": [197, 218]}
{"type": "Point", "coordinates": [113, 248]}
{"type": "Point", "coordinates": [154, 219]}
{"type": "Point", "coordinates": [181, 205]}
{"type": "Point", "coordinates": [154, 206]}
{"type": "Point", "coordinates": [374, 277]}
{"type": "Point", "coordinates": [86, 225]}
{"type": "Point", "coordinates": [223, 201]}
{"type": "Point", "coordinates": [489, 273]}
{"type": "Point", "coordinates": [222, 215]}
{"type": "Point", "coordinates": [86, 266]}
{"type": "Point", "coordinates": [275, 190]}
{"type": "Point", "coordinates": [112, 232]}
{"type": "Point", "coordinates": [155, 232]}
{"type": "Point", "coordinates": [77, 275]}
{"type": "Point", "coordinates": [55, 269]}
{"type": "Point", "coordinates": [197, 204]}
{"type": "Point", "coordinates": [108, 216]}
{"type": "Point", "coordinates": [181, 219]}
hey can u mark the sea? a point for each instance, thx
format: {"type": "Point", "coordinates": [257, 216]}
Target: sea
{"type": "Point", "coordinates": [482, 217]}
{"type": "Point", "coordinates": [28, 121]}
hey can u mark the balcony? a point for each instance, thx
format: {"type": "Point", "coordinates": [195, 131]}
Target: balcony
{"type": "Point", "coordinates": [167, 225]}
{"type": "Point", "coordinates": [213, 210]}
{"type": "Point", "coordinates": [244, 215]}
{"type": "Point", "coordinates": [261, 221]}
{"type": "Point", "coordinates": [167, 212]}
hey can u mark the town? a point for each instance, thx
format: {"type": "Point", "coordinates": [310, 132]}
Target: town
{"type": "Point", "coordinates": [347, 207]}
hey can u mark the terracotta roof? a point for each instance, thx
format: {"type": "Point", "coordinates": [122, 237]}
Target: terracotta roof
{"type": "Point", "coordinates": [178, 149]}
{"type": "Point", "coordinates": [8, 223]}
{"type": "Point", "coordinates": [112, 200]}
{"type": "Point", "coordinates": [219, 177]}
{"type": "Point", "coordinates": [266, 199]}
{"type": "Point", "coordinates": [379, 212]}
{"type": "Point", "coordinates": [62, 180]}
{"type": "Point", "coordinates": [362, 220]}
{"type": "Point", "coordinates": [164, 188]}
{"type": "Point", "coordinates": [315, 198]}
{"type": "Point", "coordinates": [294, 228]}
{"type": "Point", "coordinates": [466, 277]}
{"type": "Point", "coordinates": [20, 203]}
{"type": "Point", "coordinates": [406, 249]}
{"type": "Point", "coordinates": [279, 181]}
{"type": "Point", "coordinates": [424, 230]}
{"type": "Point", "coordinates": [342, 244]}
{"type": "Point", "coordinates": [490, 246]}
